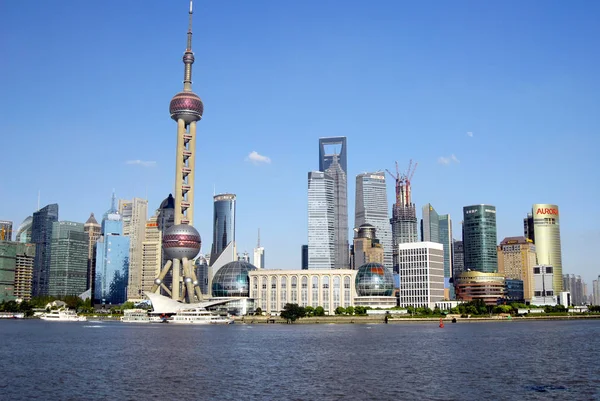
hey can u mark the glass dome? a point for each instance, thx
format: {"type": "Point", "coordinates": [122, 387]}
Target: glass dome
{"type": "Point", "coordinates": [374, 280]}
{"type": "Point", "coordinates": [232, 280]}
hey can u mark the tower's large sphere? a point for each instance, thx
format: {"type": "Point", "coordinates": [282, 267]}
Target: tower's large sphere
{"type": "Point", "coordinates": [187, 106]}
{"type": "Point", "coordinates": [232, 280]}
{"type": "Point", "coordinates": [374, 280]}
{"type": "Point", "coordinates": [181, 241]}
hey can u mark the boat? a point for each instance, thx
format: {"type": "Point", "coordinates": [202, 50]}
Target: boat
{"type": "Point", "coordinates": [199, 316]}
{"type": "Point", "coordinates": [62, 315]}
{"type": "Point", "coordinates": [11, 315]}
{"type": "Point", "coordinates": [135, 316]}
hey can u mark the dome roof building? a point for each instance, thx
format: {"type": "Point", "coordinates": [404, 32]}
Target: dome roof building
{"type": "Point", "coordinates": [232, 280]}
{"type": "Point", "coordinates": [374, 280]}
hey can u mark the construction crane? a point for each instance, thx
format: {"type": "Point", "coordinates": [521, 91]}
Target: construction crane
{"type": "Point", "coordinates": [403, 183]}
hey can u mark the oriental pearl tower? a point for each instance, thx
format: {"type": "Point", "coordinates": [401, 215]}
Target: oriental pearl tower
{"type": "Point", "coordinates": [181, 242]}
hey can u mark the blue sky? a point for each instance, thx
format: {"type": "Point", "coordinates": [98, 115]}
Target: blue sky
{"type": "Point", "coordinates": [85, 88]}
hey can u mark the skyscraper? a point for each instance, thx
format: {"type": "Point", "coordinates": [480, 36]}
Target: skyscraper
{"type": "Point", "coordinates": [366, 247]}
{"type": "Point", "coordinates": [24, 230]}
{"type": "Point", "coordinates": [41, 236]}
{"type": "Point", "coordinates": [93, 230]}
{"type": "Point", "coordinates": [181, 242]}
{"type": "Point", "coordinates": [151, 253]}
{"type": "Point", "coordinates": [16, 268]}
{"type": "Point", "coordinates": [574, 284]}
{"type": "Point", "coordinates": [458, 258]}
{"type": "Point", "coordinates": [134, 214]}
{"type": "Point", "coordinates": [333, 162]}
{"type": "Point", "coordinates": [430, 225]}
{"type": "Point", "coordinates": [259, 254]}
{"type": "Point", "coordinates": [404, 214]}
{"type": "Point", "coordinates": [68, 263]}
{"type": "Point", "coordinates": [479, 238]}
{"type": "Point", "coordinates": [321, 221]}
{"type": "Point", "coordinates": [6, 230]}
{"type": "Point", "coordinates": [223, 223]}
{"type": "Point", "coordinates": [546, 228]}
{"type": "Point", "coordinates": [596, 291]}
{"type": "Point", "coordinates": [516, 259]}
{"type": "Point", "coordinates": [372, 208]}
{"type": "Point", "coordinates": [445, 223]}
{"type": "Point", "coordinates": [112, 261]}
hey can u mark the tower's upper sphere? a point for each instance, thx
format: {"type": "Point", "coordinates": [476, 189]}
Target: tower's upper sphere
{"type": "Point", "coordinates": [373, 280]}
{"type": "Point", "coordinates": [181, 241]}
{"type": "Point", "coordinates": [187, 106]}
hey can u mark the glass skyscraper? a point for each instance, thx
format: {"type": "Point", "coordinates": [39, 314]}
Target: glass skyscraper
{"type": "Point", "coordinates": [69, 259]}
{"type": "Point", "coordinates": [112, 261]}
{"type": "Point", "coordinates": [372, 208]}
{"type": "Point", "coordinates": [41, 236]}
{"type": "Point", "coordinates": [479, 238]}
{"type": "Point", "coordinates": [321, 221]}
{"type": "Point", "coordinates": [430, 225]}
{"type": "Point", "coordinates": [223, 224]}
{"type": "Point", "coordinates": [445, 224]}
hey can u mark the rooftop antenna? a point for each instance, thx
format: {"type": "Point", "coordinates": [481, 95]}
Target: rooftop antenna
{"type": "Point", "coordinates": [258, 243]}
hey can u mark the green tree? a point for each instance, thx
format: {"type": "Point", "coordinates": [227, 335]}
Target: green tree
{"type": "Point", "coordinates": [127, 305]}
{"type": "Point", "coordinates": [292, 312]}
{"type": "Point", "coordinates": [350, 310]}
{"type": "Point", "coordinates": [310, 311]}
{"type": "Point", "coordinates": [340, 310]}
{"type": "Point", "coordinates": [258, 311]}
{"type": "Point", "coordinates": [319, 311]}
{"type": "Point", "coordinates": [360, 310]}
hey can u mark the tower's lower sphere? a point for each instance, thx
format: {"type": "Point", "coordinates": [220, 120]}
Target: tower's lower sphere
{"type": "Point", "coordinates": [187, 106]}
{"type": "Point", "coordinates": [181, 241]}
{"type": "Point", "coordinates": [373, 279]}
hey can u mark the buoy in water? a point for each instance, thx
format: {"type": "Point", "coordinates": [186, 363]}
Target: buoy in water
{"type": "Point", "coordinates": [441, 323]}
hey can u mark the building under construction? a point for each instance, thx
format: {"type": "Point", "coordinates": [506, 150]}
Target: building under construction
{"type": "Point", "coordinates": [404, 214]}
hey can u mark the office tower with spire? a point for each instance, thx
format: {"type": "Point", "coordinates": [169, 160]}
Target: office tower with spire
{"type": "Point", "coordinates": [134, 214]}
{"type": "Point", "coordinates": [223, 224]}
{"type": "Point", "coordinates": [41, 236]}
{"type": "Point", "coordinates": [321, 221]}
{"type": "Point", "coordinates": [404, 214]}
{"type": "Point", "coordinates": [371, 207]}
{"type": "Point", "coordinates": [69, 259]}
{"type": "Point", "coordinates": [333, 162]}
{"type": "Point", "coordinates": [112, 260]}
{"type": "Point", "coordinates": [93, 230]}
{"type": "Point", "coordinates": [259, 254]}
{"type": "Point", "coordinates": [6, 230]}
{"type": "Point", "coordinates": [479, 238]}
{"type": "Point", "coordinates": [181, 242]}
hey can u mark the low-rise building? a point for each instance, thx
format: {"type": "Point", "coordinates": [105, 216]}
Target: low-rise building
{"type": "Point", "coordinates": [474, 285]}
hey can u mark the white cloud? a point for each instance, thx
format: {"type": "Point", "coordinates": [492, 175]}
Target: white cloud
{"type": "Point", "coordinates": [448, 160]}
{"type": "Point", "coordinates": [143, 163]}
{"type": "Point", "coordinates": [470, 134]}
{"type": "Point", "coordinates": [256, 158]}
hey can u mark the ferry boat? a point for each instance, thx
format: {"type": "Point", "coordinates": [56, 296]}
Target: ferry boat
{"type": "Point", "coordinates": [11, 315]}
{"type": "Point", "coordinates": [62, 315]}
{"type": "Point", "coordinates": [199, 316]}
{"type": "Point", "coordinates": [135, 316]}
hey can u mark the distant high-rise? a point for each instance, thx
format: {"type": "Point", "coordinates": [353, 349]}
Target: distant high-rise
{"type": "Point", "coordinates": [321, 221]}
{"type": "Point", "coordinates": [134, 213]}
{"type": "Point", "coordinates": [69, 261]}
{"type": "Point", "coordinates": [366, 247]}
{"type": "Point", "coordinates": [93, 230]}
{"type": "Point", "coordinates": [546, 228]}
{"type": "Point", "coordinates": [596, 292]}
{"type": "Point", "coordinates": [372, 208]}
{"type": "Point", "coordinates": [259, 254]}
{"type": "Point", "coordinates": [421, 274]}
{"type": "Point", "coordinates": [16, 269]}
{"type": "Point", "coordinates": [574, 284]}
{"type": "Point", "coordinates": [404, 214]}
{"type": "Point", "coordinates": [430, 224]}
{"type": "Point", "coordinates": [304, 258]}
{"type": "Point", "coordinates": [41, 236]}
{"type": "Point", "coordinates": [528, 230]}
{"type": "Point", "coordinates": [333, 162]}
{"type": "Point", "coordinates": [204, 274]}
{"type": "Point", "coordinates": [458, 258]}
{"type": "Point", "coordinates": [479, 238]}
{"type": "Point", "coordinates": [516, 259]}
{"type": "Point", "coordinates": [223, 223]}
{"type": "Point", "coordinates": [445, 224]}
{"type": "Point", "coordinates": [6, 230]}
{"type": "Point", "coordinates": [112, 261]}
{"type": "Point", "coordinates": [24, 230]}
{"type": "Point", "coordinates": [151, 253]}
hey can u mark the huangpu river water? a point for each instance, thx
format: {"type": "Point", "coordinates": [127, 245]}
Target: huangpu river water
{"type": "Point", "coordinates": [465, 361]}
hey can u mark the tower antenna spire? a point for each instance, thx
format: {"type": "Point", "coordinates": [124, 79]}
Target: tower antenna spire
{"type": "Point", "coordinates": [188, 56]}
{"type": "Point", "coordinates": [258, 243]}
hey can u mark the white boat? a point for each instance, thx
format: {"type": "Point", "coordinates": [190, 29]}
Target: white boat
{"type": "Point", "coordinates": [11, 315]}
{"type": "Point", "coordinates": [62, 315]}
{"type": "Point", "coordinates": [199, 316]}
{"type": "Point", "coordinates": [135, 316]}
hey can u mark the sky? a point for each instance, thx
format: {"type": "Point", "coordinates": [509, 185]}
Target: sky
{"type": "Point", "coordinates": [497, 102]}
